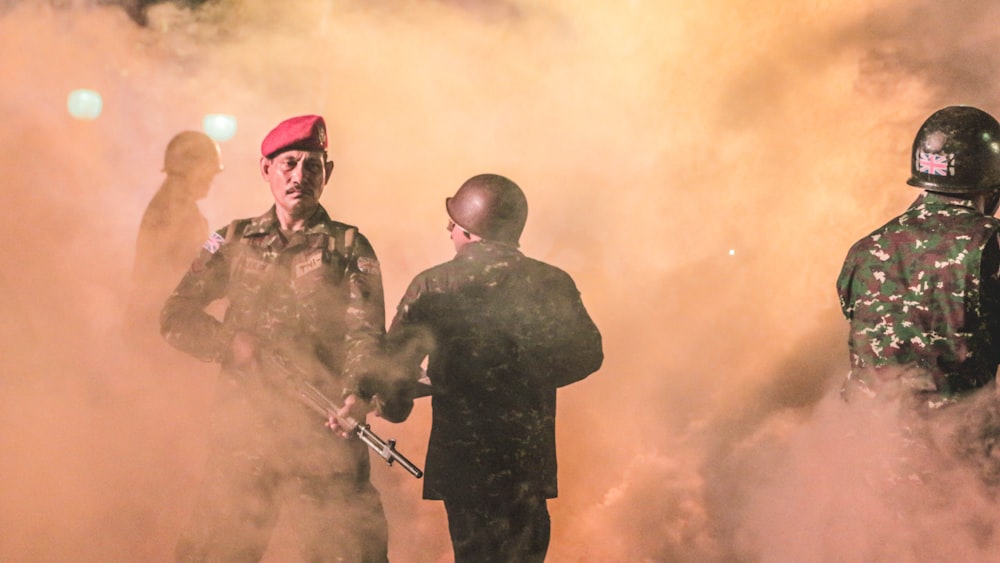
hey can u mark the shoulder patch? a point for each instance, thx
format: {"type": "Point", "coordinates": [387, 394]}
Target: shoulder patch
{"type": "Point", "coordinates": [213, 243]}
{"type": "Point", "coordinates": [368, 265]}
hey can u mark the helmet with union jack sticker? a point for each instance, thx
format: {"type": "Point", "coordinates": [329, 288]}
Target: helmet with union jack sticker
{"type": "Point", "coordinates": [957, 151]}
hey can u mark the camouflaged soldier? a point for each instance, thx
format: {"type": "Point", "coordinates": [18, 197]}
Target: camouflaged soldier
{"type": "Point", "coordinates": [302, 290]}
{"type": "Point", "coordinates": [501, 332]}
{"type": "Point", "coordinates": [921, 292]}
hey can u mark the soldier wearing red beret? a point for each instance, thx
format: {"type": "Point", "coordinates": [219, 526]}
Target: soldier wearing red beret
{"type": "Point", "coordinates": [304, 300]}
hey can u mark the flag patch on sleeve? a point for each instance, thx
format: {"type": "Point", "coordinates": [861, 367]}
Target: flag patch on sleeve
{"type": "Point", "coordinates": [213, 243]}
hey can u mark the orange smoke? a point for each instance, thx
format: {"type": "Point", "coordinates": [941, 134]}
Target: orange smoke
{"type": "Point", "coordinates": [650, 138]}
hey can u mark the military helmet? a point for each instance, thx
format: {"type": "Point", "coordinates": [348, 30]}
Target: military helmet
{"type": "Point", "coordinates": [189, 151]}
{"type": "Point", "coordinates": [957, 151]}
{"type": "Point", "coordinates": [490, 206]}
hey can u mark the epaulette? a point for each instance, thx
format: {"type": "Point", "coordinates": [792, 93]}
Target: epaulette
{"type": "Point", "coordinates": [343, 241]}
{"type": "Point", "coordinates": [236, 228]}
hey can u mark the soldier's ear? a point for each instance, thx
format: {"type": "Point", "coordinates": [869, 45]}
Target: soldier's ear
{"type": "Point", "coordinates": [329, 169]}
{"type": "Point", "coordinates": [265, 167]}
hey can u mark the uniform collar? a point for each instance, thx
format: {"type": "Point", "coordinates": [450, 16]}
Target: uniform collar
{"type": "Point", "coordinates": [934, 198]}
{"type": "Point", "coordinates": [484, 248]}
{"type": "Point", "coordinates": [268, 224]}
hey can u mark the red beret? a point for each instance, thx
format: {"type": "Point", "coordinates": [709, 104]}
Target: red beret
{"type": "Point", "coordinates": [305, 132]}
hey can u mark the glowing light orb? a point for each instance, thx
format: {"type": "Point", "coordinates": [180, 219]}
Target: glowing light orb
{"type": "Point", "coordinates": [732, 251]}
{"type": "Point", "coordinates": [85, 104]}
{"type": "Point", "coordinates": [219, 126]}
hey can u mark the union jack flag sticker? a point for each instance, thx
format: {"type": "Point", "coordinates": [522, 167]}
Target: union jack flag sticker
{"type": "Point", "coordinates": [933, 164]}
{"type": "Point", "coordinates": [213, 243]}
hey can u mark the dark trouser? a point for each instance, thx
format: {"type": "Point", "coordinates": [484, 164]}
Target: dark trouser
{"type": "Point", "coordinates": [335, 518]}
{"type": "Point", "coordinates": [499, 529]}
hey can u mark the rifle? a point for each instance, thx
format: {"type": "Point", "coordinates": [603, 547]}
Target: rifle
{"type": "Point", "coordinates": [386, 450]}
{"type": "Point", "coordinates": [315, 399]}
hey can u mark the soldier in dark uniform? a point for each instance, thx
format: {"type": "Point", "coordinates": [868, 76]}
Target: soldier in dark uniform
{"type": "Point", "coordinates": [170, 233]}
{"type": "Point", "coordinates": [304, 299]}
{"type": "Point", "coordinates": [921, 292]}
{"type": "Point", "coordinates": [501, 332]}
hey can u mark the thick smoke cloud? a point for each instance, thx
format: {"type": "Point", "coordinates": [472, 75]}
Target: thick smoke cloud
{"type": "Point", "coordinates": [651, 139]}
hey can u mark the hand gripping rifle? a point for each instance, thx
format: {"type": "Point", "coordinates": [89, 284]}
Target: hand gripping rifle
{"type": "Point", "coordinates": [387, 450]}
{"type": "Point", "coordinates": [315, 399]}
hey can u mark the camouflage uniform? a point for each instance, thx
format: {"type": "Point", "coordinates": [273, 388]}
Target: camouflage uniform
{"type": "Point", "coordinates": [501, 332]}
{"type": "Point", "coordinates": [313, 298]}
{"type": "Point", "coordinates": [921, 296]}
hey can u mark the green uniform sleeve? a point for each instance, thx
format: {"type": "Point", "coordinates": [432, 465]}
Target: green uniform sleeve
{"type": "Point", "coordinates": [563, 341]}
{"type": "Point", "coordinates": [365, 319]}
{"type": "Point", "coordinates": [184, 322]}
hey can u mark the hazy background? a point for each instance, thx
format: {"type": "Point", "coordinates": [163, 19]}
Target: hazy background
{"type": "Point", "coordinates": [699, 168]}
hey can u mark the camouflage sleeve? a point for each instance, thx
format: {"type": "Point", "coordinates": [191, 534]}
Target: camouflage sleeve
{"type": "Point", "coordinates": [408, 343]}
{"type": "Point", "coordinates": [184, 323]}
{"type": "Point", "coordinates": [845, 285]}
{"type": "Point", "coordinates": [402, 317]}
{"type": "Point", "coordinates": [565, 343]}
{"type": "Point", "coordinates": [365, 318]}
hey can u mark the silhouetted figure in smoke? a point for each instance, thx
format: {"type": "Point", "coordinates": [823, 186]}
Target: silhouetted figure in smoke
{"type": "Point", "coordinates": [922, 291]}
{"type": "Point", "coordinates": [501, 333]}
{"type": "Point", "coordinates": [305, 300]}
{"type": "Point", "coordinates": [170, 233]}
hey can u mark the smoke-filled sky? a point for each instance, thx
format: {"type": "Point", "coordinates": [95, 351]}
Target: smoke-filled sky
{"type": "Point", "coordinates": [651, 138]}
